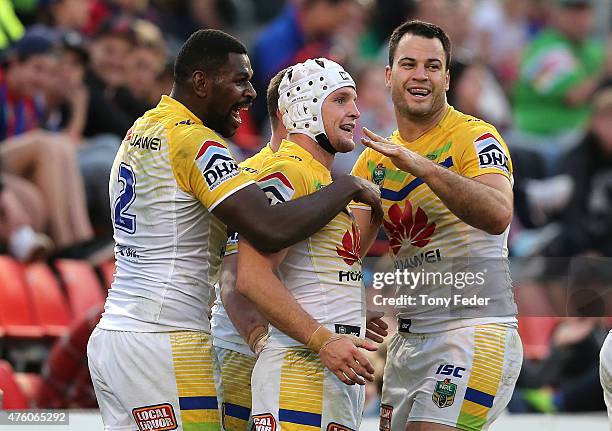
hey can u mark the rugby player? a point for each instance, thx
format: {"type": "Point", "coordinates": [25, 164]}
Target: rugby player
{"type": "Point", "coordinates": [306, 373]}
{"type": "Point", "coordinates": [446, 186]}
{"type": "Point", "coordinates": [233, 357]}
{"type": "Point", "coordinates": [173, 188]}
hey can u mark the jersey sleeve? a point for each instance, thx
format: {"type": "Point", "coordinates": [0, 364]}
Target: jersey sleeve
{"type": "Point", "coordinates": [360, 169]}
{"type": "Point", "coordinates": [282, 180]}
{"type": "Point", "coordinates": [481, 150]}
{"type": "Point", "coordinates": [204, 167]}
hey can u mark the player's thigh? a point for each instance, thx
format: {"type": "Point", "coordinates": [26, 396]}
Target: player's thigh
{"type": "Point", "coordinates": [233, 381]}
{"type": "Point", "coordinates": [399, 384]}
{"type": "Point", "coordinates": [471, 377]}
{"type": "Point", "coordinates": [428, 426]}
{"type": "Point", "coordinates": [147, 380]}
{"type": "Point", "coordinates": [293, 391]}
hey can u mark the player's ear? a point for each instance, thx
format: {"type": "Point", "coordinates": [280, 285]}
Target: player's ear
{"type": "Point", "coordinates": [447, 80]}
{"type": "Point", "coordinates": [388, 76]}
{"type": "Point", "coordinates": [199, 82]}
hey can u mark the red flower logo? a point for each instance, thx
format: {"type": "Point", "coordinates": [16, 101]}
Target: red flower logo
{"type": "Point", "coordinates": [351, 245]}
{"type": "Point", "coordinates": [404, 225]}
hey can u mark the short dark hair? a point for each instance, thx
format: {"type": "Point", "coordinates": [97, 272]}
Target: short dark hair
{"type": "Point", "coordinates": [422, 29]}
{"type": "Point", "coordinates": [272, 96]}
{"type": "Point", "coordinates": [205, 50]}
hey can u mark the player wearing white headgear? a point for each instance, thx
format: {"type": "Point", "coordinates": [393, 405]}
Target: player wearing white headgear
{"type": "Point", "coordinates": [305, 376]}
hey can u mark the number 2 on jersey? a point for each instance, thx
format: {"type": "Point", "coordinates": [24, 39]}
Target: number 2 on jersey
{"type": "Point", "coordinates": [123, 220]}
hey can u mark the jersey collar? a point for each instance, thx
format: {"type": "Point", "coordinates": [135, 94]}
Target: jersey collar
{"type": "Point", "coordinates": [442, 124]}
{"type": "Point", "coordinates": [289, 148]}
{"type": "Point", "coordinates": [177, 107]}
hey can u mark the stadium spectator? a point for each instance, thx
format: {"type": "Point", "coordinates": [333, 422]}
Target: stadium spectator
{"type": "Point", "coordinates": [46, 159]}
{"type": "Point", "coordinates": [66, 14]}
{"type": "Point", "coordinates": [112, 107]}
{"type": "Point", "coordinates": [501, 33]}
{"type": "Point", "coordinates": [587, 223]}
{"type": "Point", "coordinates": [384, 17]}
{"type": "Point", "coordinates": [22, 218]}
{"type": "Point", "coordinates": [146, 62]}
{"type": "Point", "coordinates": [558, 74]}
{"type": "Point", "coordinates": [301, 31]}
{"type": "Point", "coordinates": [568, 378]}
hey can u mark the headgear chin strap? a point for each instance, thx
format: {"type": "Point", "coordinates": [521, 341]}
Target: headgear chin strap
{"type": "Point", "coordinates": [302, 92]}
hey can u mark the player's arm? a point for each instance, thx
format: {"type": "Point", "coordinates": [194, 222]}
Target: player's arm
{"type": "Point", "coordinates": [484, 202]}
{"type": "Point", "coordinates": [272, 228]}
{"type": "Point", "coordinates": [376, 327]}
{"type": "Point", "coordinates": [367, 229]}
{"type": "Point", "coordinates": [251, 325]}
{"type": "Point", "coordinates": [340, 353]}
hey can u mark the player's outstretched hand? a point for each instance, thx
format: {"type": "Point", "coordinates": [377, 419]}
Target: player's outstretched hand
{"type": "Point", "coordinates": [369, 194]}
{"type": "Point", "coordinates": [341, 355]}
{"type": "Point", "coordinates": [402, 157]}
{"type": "Point", "coordinates": [376, 327]}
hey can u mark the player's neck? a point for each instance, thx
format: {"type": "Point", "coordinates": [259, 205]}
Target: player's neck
{"type": "Point", "coordinates": [277, 137]}
{"type": "Point", "coordinates": [310, 145]}
{"type": "Point", "coordinates": [187, 101]}
{"type": "Point", "coordinates": [412, 128]}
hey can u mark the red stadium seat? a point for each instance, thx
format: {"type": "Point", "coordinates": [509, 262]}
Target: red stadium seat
{"type": "Point", "coordinates": [108, 273]}
{"type": "Point", "coordinates": [13, 398]}
{"type": "Point", "coordinates": [535, 334]}
{"type": "Point", "coordinates": [65, 374]}
{"type": "Point", "coordinates": [30, 385]}
{"type": "Point", "coordinates": [48, 300]}
{"type": "Point", "coordinates": [82, 285]}
{"type": "Point", "coordinates": [16, 312]}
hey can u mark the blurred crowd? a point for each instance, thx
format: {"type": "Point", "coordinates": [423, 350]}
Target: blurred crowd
{"type": "Point", "coordinates": [75, 74]}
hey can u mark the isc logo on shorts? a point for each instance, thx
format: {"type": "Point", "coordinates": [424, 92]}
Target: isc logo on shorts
{"type": "Point", "coordinates": [386, 411]}
{"type": "Point", "coordinates": [264, 422]}
{"type": "Point", "coordinates": [159, 417]}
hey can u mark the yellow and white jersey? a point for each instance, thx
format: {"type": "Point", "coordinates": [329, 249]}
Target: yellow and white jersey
{"type": "Point", "coordinates": [424, 235]}
{"type": "Point", "coordinates": [223, 330]}
{"type": "Point", "coordinates": [169, 174]}
{"type": "Point", "coordinates": [322, 272]}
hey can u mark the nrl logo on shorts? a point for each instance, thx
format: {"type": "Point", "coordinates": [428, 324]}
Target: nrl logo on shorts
{"type": "Point", "coordinates": [444, 394]}
{"type": "Point", "coordinates": [378, 175]}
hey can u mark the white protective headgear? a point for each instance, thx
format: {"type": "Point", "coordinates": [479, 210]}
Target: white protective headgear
{"type": "Point", "coordinates": [302, 92]}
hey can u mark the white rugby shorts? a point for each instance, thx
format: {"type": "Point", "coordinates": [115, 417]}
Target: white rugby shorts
{"type": "Point", "coordinates": [293, 391]}
{"type": "Point", "coordinates": [462, 378]}
{"type": "Point", "coordinates": [153, 380]}
{"type": "Point", "coordinates": [232, 372]}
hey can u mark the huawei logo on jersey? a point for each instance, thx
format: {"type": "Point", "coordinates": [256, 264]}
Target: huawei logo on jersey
{"type": "Point", "coordinates": [351, 244]}
{"type": "Point", "coordinates": [404, 225]}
